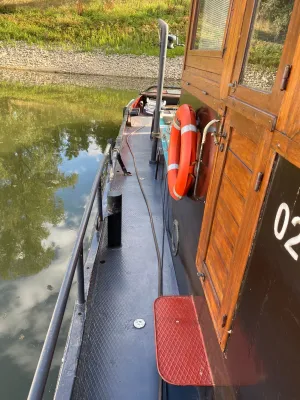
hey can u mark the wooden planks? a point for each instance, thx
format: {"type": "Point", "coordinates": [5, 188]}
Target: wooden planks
{"type": "Point", "coordinates": [197, 78]}
{"type": "Point", "coordinates": [218, 275]}
{"type": "Point", "coordinates": [230, 226]}
{"type": "Point", "coordinates": [198, 74]}
{"type": "Point", "coordinates": [212, 102]}
{"type": "Point", "coordinates": [237, 173]}
{"type": "Point", "coordinates": [232, 198]}
{"type": "Point", "coordinates": [255, 114]}
{"type": "Point", "coordinates": [210, 64]}
{"type": "Point", "coordinates": [246, 127]}
{"type": "Point", "coordinates": [222, 243]}
{"type": "Point", "coordinates": [243, 148]}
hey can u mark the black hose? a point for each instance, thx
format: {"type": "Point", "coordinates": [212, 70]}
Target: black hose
{"type": "Point", "coordinates": [164, 227]}
{"type": "Point", "coordinates": [159, 260]}
{"type": "Point", "coordinates": [159, 257]}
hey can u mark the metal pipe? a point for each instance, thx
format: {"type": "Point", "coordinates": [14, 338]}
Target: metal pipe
{"type": "Point", "coordinates": [80, 277]}
{"type": "Point", "coordinates": [200, 154]}
{"type": "Point", "coordinates": [45, 360]}
{"type": "Point", "coordinates": [164, 29]}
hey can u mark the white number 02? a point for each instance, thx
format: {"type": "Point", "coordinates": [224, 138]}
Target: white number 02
{"type": "Point", "coordinates": [284, 208]}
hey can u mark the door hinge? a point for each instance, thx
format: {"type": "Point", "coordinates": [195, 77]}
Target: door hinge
{"type": "Point", "coordinates": [258, 182]}
{"type": "Point", "coordinates": [201, 275]}
{"type": "Point", "coordinates": [285, 77]}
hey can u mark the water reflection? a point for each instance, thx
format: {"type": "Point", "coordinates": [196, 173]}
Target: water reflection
{"type": "Point", "coordinates": [30, 176]}
{"type": "Point", "coordinates": [48, 160]}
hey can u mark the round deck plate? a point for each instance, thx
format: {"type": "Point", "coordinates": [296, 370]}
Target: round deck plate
{"type": "Point", "coordinates": [139, 323]}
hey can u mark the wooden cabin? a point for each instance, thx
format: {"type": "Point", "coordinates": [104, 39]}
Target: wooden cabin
{"type": "Point", "coordinates": [242, 67]}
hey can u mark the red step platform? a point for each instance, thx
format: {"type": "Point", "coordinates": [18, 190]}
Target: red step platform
{"type": "Point", "coordinates": [180, 351]}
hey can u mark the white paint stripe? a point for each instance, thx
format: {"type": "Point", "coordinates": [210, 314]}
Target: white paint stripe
{"type": "Point", "coordinates": [176, 194]}
{"type": "Point", "coordinates": [188, 128]}
{"type": "Point", "coordinates": [173, 166]}
{"type": "Point", "coordinates": [176, 126]}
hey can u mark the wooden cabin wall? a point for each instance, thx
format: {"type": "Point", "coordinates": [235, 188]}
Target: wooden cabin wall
{"type": "Point", "coordinates": [252, 348]}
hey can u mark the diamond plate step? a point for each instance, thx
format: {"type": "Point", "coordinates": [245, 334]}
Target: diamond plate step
{"type": "Point", "coordinates": [180, 351]}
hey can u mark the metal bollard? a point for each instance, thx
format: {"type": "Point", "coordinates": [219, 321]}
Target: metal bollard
{"type": "Point", "coordinates": [114, 225]}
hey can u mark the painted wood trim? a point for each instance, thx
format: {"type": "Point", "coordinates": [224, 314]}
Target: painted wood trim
{"type": "Point", "coordinates": [209, 64]}
{"type": "Point", "coordinates": [254, 114]}
{"type": "Point", "coordinates": [215, 104]}
{"type": "Point", "coordinates": [194, 77]}
{"type": "Point", "coordinates": [233, 39]}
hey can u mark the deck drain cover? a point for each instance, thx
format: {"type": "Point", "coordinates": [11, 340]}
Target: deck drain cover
{"type": "Point", "coordinates": [139, 323]}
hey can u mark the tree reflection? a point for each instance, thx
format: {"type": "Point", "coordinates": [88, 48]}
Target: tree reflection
{"type": "Point", "coordinates": [30, 155]}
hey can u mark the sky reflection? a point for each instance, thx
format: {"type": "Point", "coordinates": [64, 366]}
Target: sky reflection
{"type": "Point", "coordinates": [27, 301]}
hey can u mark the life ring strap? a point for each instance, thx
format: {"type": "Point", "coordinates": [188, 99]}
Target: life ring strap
{"type": "Point", "coordinates": [173, 166]}
{"type": "Point", "coordinates": [188, 128]}
{"type": "Point", "coordinates": [176, 194]}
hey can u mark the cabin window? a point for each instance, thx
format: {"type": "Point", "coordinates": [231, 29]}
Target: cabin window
{"type": "Point", "coordinates": [265, 44]}
{"type": "Point", "coordinates": [211, 24]}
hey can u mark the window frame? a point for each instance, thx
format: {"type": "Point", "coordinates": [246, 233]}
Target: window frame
{"type": "Point", "coordinates": [207, 53]}
{"type": "Point", "coordinates": [269, 102]}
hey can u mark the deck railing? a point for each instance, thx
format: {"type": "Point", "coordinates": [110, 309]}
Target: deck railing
{"type": "Point", "coordinates": [76, 262]}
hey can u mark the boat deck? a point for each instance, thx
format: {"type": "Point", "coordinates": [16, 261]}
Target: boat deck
{"type": "Point", "coordinates": [117, 360]}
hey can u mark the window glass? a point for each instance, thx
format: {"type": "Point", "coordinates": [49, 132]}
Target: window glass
{"type": "Point", "coordinates": [211, 24]}
{"type": "Point", "coordinates": [270, 24]}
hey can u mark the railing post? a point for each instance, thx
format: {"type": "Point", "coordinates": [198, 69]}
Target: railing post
{"type": "Point", "coordinates": [100, 206]}
{"type": "Point", "coordinates": [80, 277]}
{"type": "Point", "coordinates": [114, 219]}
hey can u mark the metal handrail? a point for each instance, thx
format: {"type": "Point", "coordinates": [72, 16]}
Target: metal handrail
{"type": "Point", "coordinates": [76, 260]}
{"type": "Point", "coordinates": [164, 29]}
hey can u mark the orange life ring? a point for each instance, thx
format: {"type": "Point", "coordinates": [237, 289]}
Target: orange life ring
{"type": "Point", "coordinates": [182, 152]}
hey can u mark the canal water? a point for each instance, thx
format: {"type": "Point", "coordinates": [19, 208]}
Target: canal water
{"type": "Point", "coordinates": [51, 142]}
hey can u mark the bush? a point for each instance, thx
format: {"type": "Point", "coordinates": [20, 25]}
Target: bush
{"type": "Point", "coordinates": [278, 12]}
{"type": "Point", "coordinates": [265, 54]}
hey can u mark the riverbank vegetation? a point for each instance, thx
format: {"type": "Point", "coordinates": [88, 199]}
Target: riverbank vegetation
{"type": "Point", "coordinates": [114, 26]}
{"type": "Point", "coordinates": [76, 105]}
{"type": "Point", "coordinates": [40, 128]}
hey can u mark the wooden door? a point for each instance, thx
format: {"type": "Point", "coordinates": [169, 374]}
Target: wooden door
{"type": "Point", "coordinates": [233, 202]}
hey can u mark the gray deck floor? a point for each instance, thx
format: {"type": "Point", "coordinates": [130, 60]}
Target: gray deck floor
{"type": "Point", "coordinates": [117, 360]}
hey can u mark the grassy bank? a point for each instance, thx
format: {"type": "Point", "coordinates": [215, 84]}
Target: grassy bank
{"type": "Point", "coordinates": [115, 26]}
